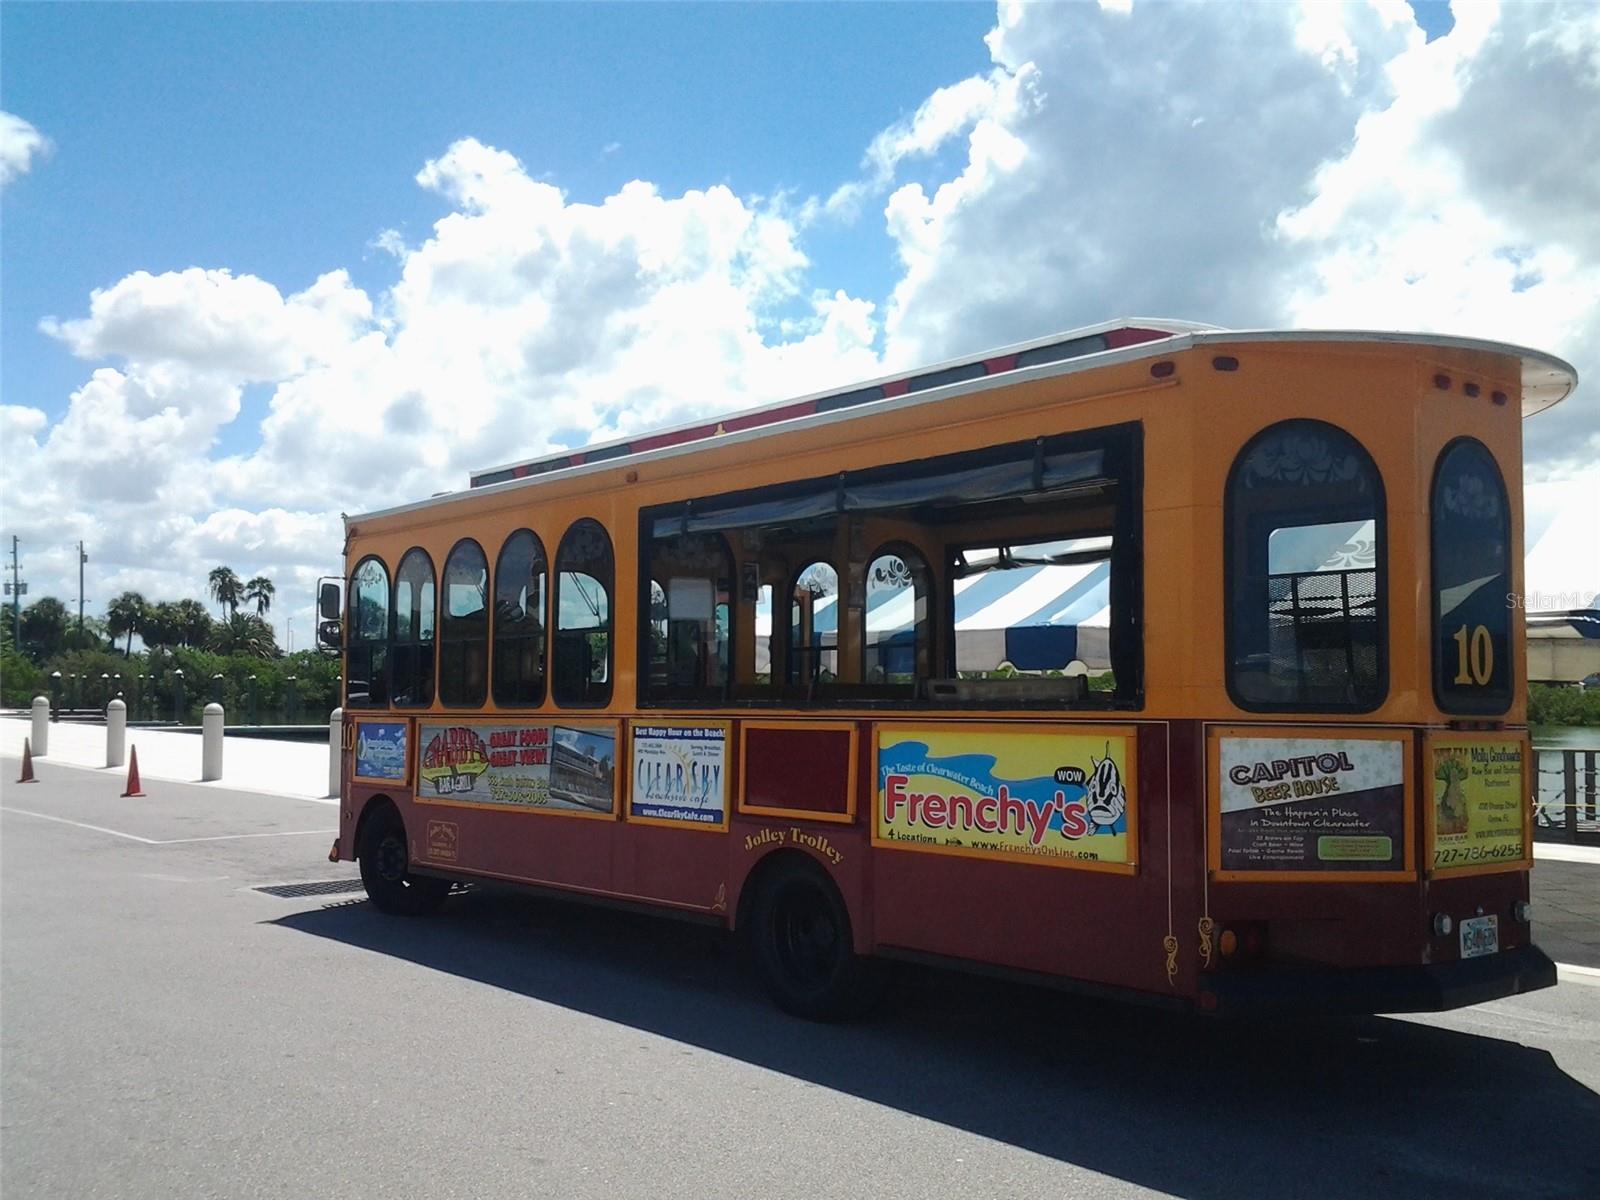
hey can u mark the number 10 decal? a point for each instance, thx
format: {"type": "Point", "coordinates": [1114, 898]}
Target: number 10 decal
{"type": "Point", "coordinates": [1474, 656]}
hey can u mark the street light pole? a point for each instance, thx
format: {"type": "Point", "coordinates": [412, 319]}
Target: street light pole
{"type": "Point", "coordinates": [82, 558]}
{"type": "Point", "coordinates": [16, 589]}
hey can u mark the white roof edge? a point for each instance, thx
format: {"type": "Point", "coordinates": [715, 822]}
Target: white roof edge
{"type": "Point", "coordinates": [1550, 377]}
{"type": "Point", "coordinates": [1546, 379]}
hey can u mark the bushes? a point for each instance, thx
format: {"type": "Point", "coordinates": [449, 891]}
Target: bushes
{"type": "Point", "coordinates": [149, 683]}
{"type": "Point", "coordinates": [1550, 705]}
{"type": "Point", "coordinates": [20, 680]}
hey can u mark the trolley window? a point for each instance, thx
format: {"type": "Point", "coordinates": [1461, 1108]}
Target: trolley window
{"type": "Point", "coordinates": [1471, 581]}
{"type": "Point", "coordinates": [411, 642]}
{"type": "Point", "coordinates": [367, 652]}
{"type": "Point", "coordinates": [464, 627]}
{"type": "Point", "coordinates": [1307, 622]}
{"type": "Point", "coordinates": [584, 575]}
{"type": "Point", "coordinates": [519, 622]}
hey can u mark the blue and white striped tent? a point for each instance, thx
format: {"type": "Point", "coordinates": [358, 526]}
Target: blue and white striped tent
{"type": "Point", "coordinates": [1036, 618]}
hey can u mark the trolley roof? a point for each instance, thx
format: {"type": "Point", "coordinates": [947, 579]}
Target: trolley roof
{"type": "Point", "coordinates": [1546, 380]}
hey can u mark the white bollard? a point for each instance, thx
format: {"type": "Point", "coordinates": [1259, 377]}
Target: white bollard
{"type": "Point", "coordinates": [116, 733]}
{"type": "Point", "coordinates": [211, 739]}
{"type": "Point", "coordinates": [335, 737]}
{"type": "Point", "coordinates": [39, 743]}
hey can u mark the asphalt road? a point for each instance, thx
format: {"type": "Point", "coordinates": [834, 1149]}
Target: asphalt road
{"type": "Point", "coordinates": [167, 1030]}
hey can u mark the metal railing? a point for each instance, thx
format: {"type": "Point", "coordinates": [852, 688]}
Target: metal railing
{"type": "Point", "coordinates": [1566, 800]}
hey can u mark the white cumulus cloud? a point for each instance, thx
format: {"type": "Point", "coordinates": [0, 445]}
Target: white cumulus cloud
{"type": "Point", "coordinates": [1250, 165]}
{"type": "Point", "coordinates": [20, 144]}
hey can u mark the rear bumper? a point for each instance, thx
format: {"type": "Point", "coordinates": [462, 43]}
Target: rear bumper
{"type": "Point", "coordinates": [1306, 991]}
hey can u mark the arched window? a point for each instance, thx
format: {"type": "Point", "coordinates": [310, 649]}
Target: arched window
{"type": "Point", "coordinates": [366, 682]}
{"type": "Point", "coordinates": [411, 644]}
{"type": "Point", "coordinates": [519, 622]}
{"type": "Point", "coordinates": [1307, 620]}
{"type": "Point", "coordinates": [894, 637]}
{"type": "Point", "coordinates": [1471, 581]}
{"type": "Point", "coordinates": [464, 627]}
{"type": "Point", "coordinates": [584, 576]}
{"type": "Point", "coordinates": [691, 582]}
{"type": "Point", "coordinates": [814, 625]}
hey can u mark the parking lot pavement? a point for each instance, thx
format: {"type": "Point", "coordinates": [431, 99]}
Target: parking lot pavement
{"type": "Point", "coordinates": [171, 1029]}
{"type": "Point", "coordinates": [276, 766]}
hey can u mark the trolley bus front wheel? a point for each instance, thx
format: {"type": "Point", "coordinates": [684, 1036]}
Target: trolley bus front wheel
{"type": "Point", "coordinates": [800, 934]}
{"type": "Point", "coordinates": [386, 871]}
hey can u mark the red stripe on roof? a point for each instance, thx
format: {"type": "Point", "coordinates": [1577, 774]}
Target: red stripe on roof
{"type": "Point", "coordinates": [1118, 338]}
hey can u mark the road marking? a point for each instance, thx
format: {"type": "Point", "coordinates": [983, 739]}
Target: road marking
{"type": "Point", "coordinates": [133, 837]}
{"type": "Point", "coordinates": [234, 837]}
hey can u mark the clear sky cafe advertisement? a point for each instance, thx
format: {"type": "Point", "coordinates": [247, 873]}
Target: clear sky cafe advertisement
{"type": "Point", "coordinates": [1478, 801]}
{"type": "Point", "coordinates": [518, 765]}
{"type": "Point", "coordinates": [1045, 796]}
{"type": "Point", "coordinates": [680, 773]}
{"type": "Point", "coordinates": [1312, 804]}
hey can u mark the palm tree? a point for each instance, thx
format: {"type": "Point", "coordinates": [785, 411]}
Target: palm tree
{"type": "Point", "coordinates": [261, 591]}
{"type": "Point", "coordinates": [226, 589]}
{"type": "Point", "coordinates": [244, 633]}
{"type": "Point", "coordinates": [193, 623]}
{"type": "Point", "coordinates": [126, 615]}
{"type": "Point", "coordinates": [162, 625]}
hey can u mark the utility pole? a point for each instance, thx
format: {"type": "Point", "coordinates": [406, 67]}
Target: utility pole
{"type": "Point", "coordinates": [82, 558]}
{"type": "Point", "coordinates": [18, 590]}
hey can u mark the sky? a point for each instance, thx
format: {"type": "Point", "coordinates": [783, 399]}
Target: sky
{"type": "Point", "coordinates": [264, 264]}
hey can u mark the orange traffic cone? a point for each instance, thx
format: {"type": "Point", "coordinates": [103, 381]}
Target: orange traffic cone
{"type": "Point", "coordinates": [27, 763]}
{"type": "Point", "coordinates": [133, 773]}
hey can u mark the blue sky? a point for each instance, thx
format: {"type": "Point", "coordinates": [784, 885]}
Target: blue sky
{"type": "Point", "coordinates": [278, 140]}
{"type": "Point", "coordinates": [266, 263]}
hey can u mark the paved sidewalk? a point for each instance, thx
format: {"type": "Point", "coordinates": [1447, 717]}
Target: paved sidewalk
{"type": "Point", "coordinates": [281, 768]}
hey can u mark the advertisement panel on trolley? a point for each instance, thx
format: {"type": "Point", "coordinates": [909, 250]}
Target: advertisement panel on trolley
{"type": "Point", "coordinates": [529, 765]}
{"type": "Point", "coordinates": [1056, 795]}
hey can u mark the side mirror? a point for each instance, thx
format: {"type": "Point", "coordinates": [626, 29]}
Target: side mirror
{"type": "Point", "coordinates": [328, 635]}
{"type": "Point", "coordinates": [328, 602]}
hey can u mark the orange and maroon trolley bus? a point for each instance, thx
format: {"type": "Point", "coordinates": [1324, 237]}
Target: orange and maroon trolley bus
{"type": "Point", "coordinates": [1153, 659]}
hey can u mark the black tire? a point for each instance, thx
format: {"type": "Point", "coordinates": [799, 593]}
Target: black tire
{"type": "Point", "coordinates": [386, 869]}
{"type": "Point", "coordinates": [801, 941]}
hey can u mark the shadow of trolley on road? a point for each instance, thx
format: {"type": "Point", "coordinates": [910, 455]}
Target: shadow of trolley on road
{"type": "Point", "coordinates": [1375, 1106]}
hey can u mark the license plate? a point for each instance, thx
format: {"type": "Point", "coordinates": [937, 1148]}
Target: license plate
{"type": "Point", "coordinates": [1480, 936]}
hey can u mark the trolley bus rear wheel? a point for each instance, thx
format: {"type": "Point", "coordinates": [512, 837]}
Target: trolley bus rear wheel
{"type": "Point", "coordinates": [800, 935]}
{"type": "Point", "coordinates": [386, 871]}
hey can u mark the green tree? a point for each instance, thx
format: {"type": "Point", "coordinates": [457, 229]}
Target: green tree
{"type": "Point", "coordinates": [226, 589]}
{"type": "Point", "coordinates": [194, 623]}
{"type": "Point", "coordinates": [162, 625]}
{"type": "Point", "coordinates": [126, 615]}
{"type": "Point", "coordinates": [260, 592]}
{"type": "Point", "coordinates": [20, 680]}
{"type": "Point", "coordinates": [44, 628]}
{"type": "Point", "coordinates": [91, 635]}
{"type": "Point", "coordinates": [246, 634]}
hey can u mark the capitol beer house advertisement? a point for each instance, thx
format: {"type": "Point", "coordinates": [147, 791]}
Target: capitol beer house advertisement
{"type": "Point", "coordinates": [1312, 804]}
{"type": "Point", "coordinates": [1046, 796]}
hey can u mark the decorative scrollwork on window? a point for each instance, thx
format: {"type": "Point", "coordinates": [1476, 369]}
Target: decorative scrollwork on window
{"type": "Point", "coordinates": [890, 571]}
{"type": "Point", "coordinates": [1300, 459]}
